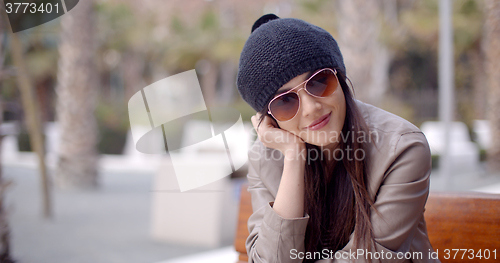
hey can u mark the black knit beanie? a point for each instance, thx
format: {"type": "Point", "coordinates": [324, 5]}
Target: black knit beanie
{"type": "Point", "coordinates": [278, 50]}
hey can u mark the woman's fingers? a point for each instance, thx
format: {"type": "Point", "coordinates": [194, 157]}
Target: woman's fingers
{"type": "Point", "coordinates": [272, 136]}
{"type": "Point", "coordinates": [263, 129]}
{"type": "Point", "coordinates": [269, 132]}
{"type": "Point", "coordinates": [269, 122]}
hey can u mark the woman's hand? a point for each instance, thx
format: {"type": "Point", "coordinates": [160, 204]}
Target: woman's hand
{"type": "Point", "coordinates": [274, 137]}
{"type": "Point", "coordinates": [289, 202]}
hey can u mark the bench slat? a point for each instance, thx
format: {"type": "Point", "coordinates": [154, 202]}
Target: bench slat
{"type": "Point", "coordinates": [463, 221]}
{"type": "Point", "coordinates": [455, 220]}
{"type": "Point", "coordinates": [242, 229]}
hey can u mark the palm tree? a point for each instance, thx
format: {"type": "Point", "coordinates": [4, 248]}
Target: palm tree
{"type": "Point", "coordinates": [4, 224]}
{"type": "Point", "coordinates": [76, 91]}
{"type": "Point", "coordinates": [366, 58]}
{"type": "Point", "coordinates": [491, 38]}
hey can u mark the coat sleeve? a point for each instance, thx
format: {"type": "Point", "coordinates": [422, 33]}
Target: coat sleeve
{"type": "Point", "coordinates": [400, 202]}
{"type": "Point", "coordinates": [272, 238]}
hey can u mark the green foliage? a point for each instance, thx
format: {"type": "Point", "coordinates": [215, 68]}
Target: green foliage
{"type": "Point", "coordinates": [177, 25]}
{"type": "Point", "coordinates": [111, 141]}
{"type": "Point", "coordinates": [8, 89]}
{"type": "Point", "coordinates": [246, 111]}
{"type": "Point", "coordinates": [117, 27]}
{"type": "Point", "coordinates": [483, 155]}
{"type": "Point", "coordinates": [23, 141]}
{"type": "Point", "coordinates": [187, 39]}
{"type": "Point", "coordinates": [467, 25]}
{"type": "Point", "coordinates": [41, 63]}
{"type": "Point", "coordinates": [314, 6]}
{"type": "Point", "coordinates": [209, 21]}
{"type": "Point", "coordinates": [422, 23]}
{"type": "Point", "coordinates": [435, 161]}
{"type": "Point", "coordinates": [318, 12]}
{"type": "Point", "coordinates": [204, 38]}
{"type": "Point", "coordinates": [415, 51]}
{"type": "Point", "coordinates": [113, 127]}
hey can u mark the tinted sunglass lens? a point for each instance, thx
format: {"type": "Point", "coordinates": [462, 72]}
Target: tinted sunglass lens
{"type": "Point", "coordinates": [285, 106]}
{"type": "Point", "coordinates": [322, 84]}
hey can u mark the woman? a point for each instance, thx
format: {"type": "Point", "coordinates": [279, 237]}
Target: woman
{"type": "Point", "coordinates": [331, 178]}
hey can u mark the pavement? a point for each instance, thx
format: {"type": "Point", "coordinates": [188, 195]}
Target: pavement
{"type": "Point", "coordinates": [112, 224]}
{"type": "Point", "coordinates": [479, 180]}
{"type": "Point", "coordinates": [108, 225]}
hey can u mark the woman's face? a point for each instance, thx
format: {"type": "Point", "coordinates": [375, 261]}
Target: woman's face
{"type": "Point", "coordinates": [329, 111]}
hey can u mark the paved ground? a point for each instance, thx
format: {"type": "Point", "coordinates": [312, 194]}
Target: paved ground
{"type": "Point", "coordinates": [479, 180]}
{"type": "Point", "coordinates": [111, 225]}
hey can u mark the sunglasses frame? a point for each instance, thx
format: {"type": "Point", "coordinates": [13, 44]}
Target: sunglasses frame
{"type": "Point", "coordinates": [304, 87]}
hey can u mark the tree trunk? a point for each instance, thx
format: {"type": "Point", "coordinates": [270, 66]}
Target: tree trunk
{"type": "Point", "coordinates": [4, 222]}
{"type": "Point", "coordinates": [209, 83]}
{"type": "Point", "coordinates": [76, 91]}
{"type": "Point", "coordinates": [480, 89]}
{"type": "Point", "coordinates": [228, 79]}
{"type": "Point", "coordinates": [365, 58]}
{"type": "Point", "coordinates": [132, 67]}
{"type": "Point", "coordinates": [33, 118]}
{"type": "Point", "coordinates": [491, 43]}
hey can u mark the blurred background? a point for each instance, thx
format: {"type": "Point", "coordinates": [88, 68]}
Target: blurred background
{"type": "Point", "coordinates": [73, 186]}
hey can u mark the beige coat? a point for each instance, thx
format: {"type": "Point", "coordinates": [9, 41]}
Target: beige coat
{"type": "Point", "coordinates": [398, 173]}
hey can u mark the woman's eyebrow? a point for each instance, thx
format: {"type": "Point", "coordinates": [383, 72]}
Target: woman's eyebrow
{"type": "Point", "coordinates": [289, 88]}
{"type": "Point", "coordinates": [282, 91]}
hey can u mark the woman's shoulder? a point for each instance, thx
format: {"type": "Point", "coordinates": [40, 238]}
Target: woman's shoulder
{"type": "Point", "coordinates": [385, 129]}
{"type": "Point", "coordinates": [384, 121]}
{"type": "Point", "coordinates": [393, 138]}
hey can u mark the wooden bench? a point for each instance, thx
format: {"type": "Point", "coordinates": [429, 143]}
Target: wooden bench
{"type": "Point", "coordinates": [455, 220]}
{"type": "Point", "coordinates": [242, 229]}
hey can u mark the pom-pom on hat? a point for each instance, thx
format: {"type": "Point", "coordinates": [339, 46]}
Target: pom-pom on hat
{"type": "Point", "coordinates": [278, 50]}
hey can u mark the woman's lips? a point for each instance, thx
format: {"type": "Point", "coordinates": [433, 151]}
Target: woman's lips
{"type": "Point", "coordinates": [320, 123]}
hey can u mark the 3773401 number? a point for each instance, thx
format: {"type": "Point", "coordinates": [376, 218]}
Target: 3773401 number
{"type": "Point", "coordinates": [31, 8]}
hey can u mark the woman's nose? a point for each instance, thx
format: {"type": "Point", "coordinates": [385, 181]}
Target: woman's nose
{"type": "Point", "coordinates": [308, 103]}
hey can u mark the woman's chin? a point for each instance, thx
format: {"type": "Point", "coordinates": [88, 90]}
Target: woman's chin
{"type": "Point", "coordinates": [324, 144]}
{"type": "Point", "coordinates": [322, 141]}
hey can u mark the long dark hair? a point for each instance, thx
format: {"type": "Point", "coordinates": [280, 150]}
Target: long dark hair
{"type": "Point", "coordinates": [336, 193]}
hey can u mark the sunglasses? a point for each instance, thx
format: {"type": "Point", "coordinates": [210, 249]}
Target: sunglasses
{"type": "Point", "coordinates": [321, 84]}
